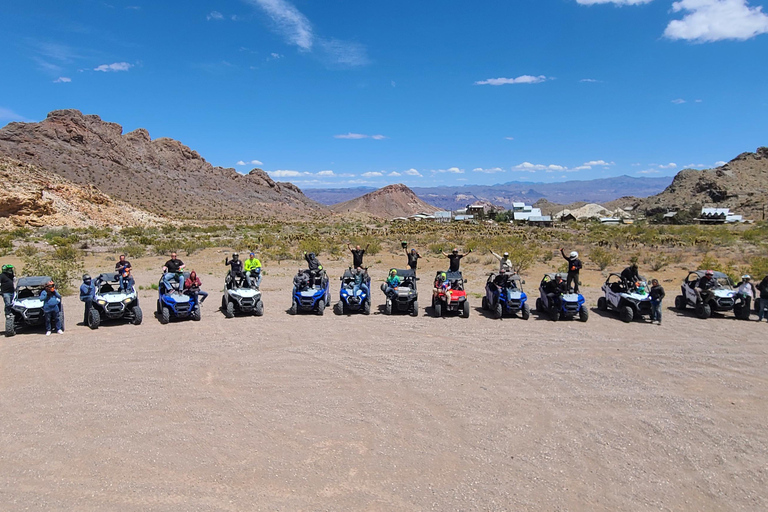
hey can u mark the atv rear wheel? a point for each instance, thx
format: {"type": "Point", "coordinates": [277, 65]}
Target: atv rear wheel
{"type": "Point", "coordinates": [294, 308]}
{"type": "Point", "coordinates": [526, 312]}
{"type": "Point", "coordinates": [465, 309]}
{"type": "Point", "coordinates": [602, 304]}
{"type": "Point", "coordinates": [680, 303]}
{"type": "Point", "coordinates": [388, 307]}
{"type": "Point", "coordinates": [583, 314]}
{"type": "Point", "coordinates": [485, 304]}
{"type": "Point", "coordinates": [320, 307]}
{"type": "Point", "coordinates": [258, 309]}
{"type": "Point", "coordinates": [94, 319]}
{"type": "Point", "coordinates": [539, 307]}
{"type": "Point", "coordinates": [498, 311]}
{"type": "Point", "coordinates": [338, 308]}
{"type": "Point", "coordinates": [415, 308]}
{"type": "Point", "coordinates": [10, 326]}
{"type": "Point", "coordinates": [627, 314]}
{"type": "Point", "coordinates": [165, 315]}
{"type": "Point", "coordinates": [438, 309]}
{"type": "Point", "coordinates": [138, 315]}
{"type": "Point", "coordinates": [703, 311]}
{"type": "Point", "coordinates": [367, 307]}
{"type": "Point", "coordinates": [555, 315]}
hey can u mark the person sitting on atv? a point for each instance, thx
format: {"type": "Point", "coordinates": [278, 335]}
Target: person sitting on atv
{"type": "Point", "coordinates": [51, 308]}
{"type": "Point", "coordinates": [443, 285]}
{"type": "Point", "coordinates": [301, 281]}
{"type": "Point", "coordinates": [126, 280]}
{"type": "Point", "coordinates": [357, 255]}
{"type": "Point", "coordinates": [554, 289]}
{"type": "Point", "coordinates": [360, 278]}
{"type": "Point", "coordinates": [413, 258]}
{"type": "Point", "coordinates": [704, 287]}
{"type": "Point", "coordinates": [505, 265]}
{"type": "Point", "coordinates": [7, 287]}
{"type": "Point", "coordinates": [630, 276]}
{"type": "Point", "coordinates": [253, 270]}
{"type": "Point", "coordinates": [120, 267]}
{"type": "Point", "coordinates": [746, 291]}
{"type": "Point", "coordinates": [393, 282]}
{"type": "Point", "coordinates": [574, 265]}
{"type": "Point", "coordinates": [170, 271]}
{"type": "Point", "coordinates": [192, 286]}
{"type": "Point", "coordinates": [235, 270]}
{"type": "Point", "coordinates": [455, 259]}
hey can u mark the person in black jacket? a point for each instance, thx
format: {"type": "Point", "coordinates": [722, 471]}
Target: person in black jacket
{"type": "Point", "coordinates": [235, 269]}
{"type": "Point", "coordinates": [7, 287]}
{"type": "Point", "coordinates": [657, 295]}
{"type": "Point", "coordinates": [455, 259]}
{"type": "Point", "coordinates": [763, 302]}
{"type": "Point", "coordinates": [631, 276]}
{"type": "Point", "coordinates": [357, 255]}
{"type": "Point", "coordinates": [574, 265]}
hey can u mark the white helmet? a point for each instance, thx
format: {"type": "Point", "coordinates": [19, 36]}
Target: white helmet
{"type": "Point", "coordinates": [574, 254]}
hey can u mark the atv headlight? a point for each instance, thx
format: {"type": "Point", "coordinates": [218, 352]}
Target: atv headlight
{"type": "Point", "coordinates": [101, 302]}
{"type": "Point", "coordinates": [127, 301]}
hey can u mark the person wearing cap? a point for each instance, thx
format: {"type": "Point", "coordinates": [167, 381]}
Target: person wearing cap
{"type": "Point", "coordinates": [393, 281]}
{"type": "Point", "coordinates": [235, 269]}
{"type": "Point", "coordinates": [7, 287]}
{"type": "Point", "coordinates": [253, 269]}
{"type": "Point", "coordinates": [704, 286]}
{"type": "Point", "coordinates": [747, 292]}
{"type": "Point", "coordinates": [574, 265]}
{"type": "Point", "coordinates": [455, 259]}
{"type": "Point", "coordinates": [357, 255]}
{"type": "Point", "coordinates": [171, 270]}
{"type": "Point", "coordinates": [87, 294]}
{"type": "Point", "coordinates": [505, 265]}
{"type": "Point", "coordinates": [51, 308]}
{"type": "Point", "coordinates": [762, 302]}
{"type": "Point", "coordinates": [657, 295]}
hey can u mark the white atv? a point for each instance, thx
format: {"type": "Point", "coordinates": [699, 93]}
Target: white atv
{"type": "Point", "coordinates": [240, 298]}
{"type": "Point", "coordinates": [622, 298]}
{"type": "Point", "coordinates": [111, 302]}
{"type": "Point", "coordinates": [27, 308]}
{"type": "Point", "coordinates": [720, 298]}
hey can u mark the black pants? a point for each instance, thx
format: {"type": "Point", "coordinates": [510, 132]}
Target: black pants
{"type": "Point", "coordinates": [573, 280]}
{"type": "Point", "coordinates": [88, 306]}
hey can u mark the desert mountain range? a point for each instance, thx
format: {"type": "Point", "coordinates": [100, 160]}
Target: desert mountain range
{"type": "Point", "coordinates": [388, 202]}
{"type": "Point", "coordinates": [161, 176]}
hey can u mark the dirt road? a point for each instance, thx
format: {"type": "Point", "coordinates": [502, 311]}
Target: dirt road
{"type": "Point", "coordinates": [385, 413]}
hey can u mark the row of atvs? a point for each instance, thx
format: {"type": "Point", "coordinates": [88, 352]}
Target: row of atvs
{"type": "Point", "coordinates": [504, 295]}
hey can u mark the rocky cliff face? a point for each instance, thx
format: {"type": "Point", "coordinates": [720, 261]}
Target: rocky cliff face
{"type": "Point", "coordinates": [32, 197]}
{"type": "Point", "coordinates": [162, 175]}
{"type": "Point", "coordinates": [741, 185]}
{"type": "Point", "coordinates": [388, 202]}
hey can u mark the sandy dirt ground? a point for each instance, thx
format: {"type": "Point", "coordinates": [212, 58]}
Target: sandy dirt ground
{"type": "Point", "coordinates": [384, 413]}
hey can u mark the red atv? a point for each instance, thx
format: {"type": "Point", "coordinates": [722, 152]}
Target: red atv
{"type": "Point", "coordinates": [455, 290]}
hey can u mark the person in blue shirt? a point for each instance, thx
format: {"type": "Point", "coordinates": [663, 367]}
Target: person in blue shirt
{"type": "Point", "coordinates": [51, 308]}
{"type": "Point", "coordinates": [87, 293]}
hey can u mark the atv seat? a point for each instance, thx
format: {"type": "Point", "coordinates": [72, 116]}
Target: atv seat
{"type": "Point", "coordinates": [26, 294]}
{"type": "Point", "coordinates": [106, 288]}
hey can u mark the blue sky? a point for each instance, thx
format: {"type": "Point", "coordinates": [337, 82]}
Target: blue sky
{"type": "Point", "coordinates": [348, 93]}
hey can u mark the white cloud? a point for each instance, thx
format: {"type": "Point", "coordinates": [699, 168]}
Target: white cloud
{"type": "Point", "coordinates": [287, 174]}
{"type": "Point", "coordinates": [250, 162]}
{"type": "Point", "coordinates": [529, 167]}
{"type": "Point", "coordinates": [275, 56]}
{"type": "Point", "coordinates": [716, 20]}
{"type": "Point", "coordinates": [509, 138]}
{"type": "Point", "coordinates": [356, 136]}
{"type": "Point", "coordinates": [115, 66]}
{"type": "Point", "coordinates": [344, 53]}
{"type": "Point", "coordinates": [678, 101]}
{"type": "Point", "coordinates": [9, 115]}
{"type": "Point", "coordinates": [412, 172]}
{"type": "Point", "coordinates": [670, 165]}
{"type": "Point", "coordinates": [289, 21]}
{"type": "Point", "coordinates": [649, 171]}
{"type": "Point", "coordinates": [524, 79]}
{"type": "Point", "coordinates": [720, 163]}
{"type": "Point", "coordinates": [374, 174]}
{"type": "Point", "coordinates": [394, 173]}
{"type": "Point", "coordinates": [693, 166]}
{"type": "Point", "coordinates": [215, 15]}
{"type": "Point", "coordinates": [393, 83]}
{"type": "Point", "coordinates": [326, 173]}
{"type": "Point", "coordinates": [450, 170]}
{"type": "Point", "coordinates": [598, 162]}
{"type": "Point", "coordinates": [62, 80]}
{"type": "Point", "coordinates": [698, 101]}
{"type": "Point", "coordinates": [492, 170]}
{"type": "Point", "coordinates": [589, 81]}
{"type": "Point", "coordinates": [582, 168]}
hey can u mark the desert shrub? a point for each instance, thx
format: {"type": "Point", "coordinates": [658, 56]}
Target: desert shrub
{"type": "Point", "coordinates": [709, 262]}
{"type": "Point", "coordinates": [657, 261]}
{"type": "Point", "coordinates": [602, 257]}
{"type": "Point", "coordinates": [26, 251]}
{"type": "Point", "coordinates": [523, 256]}
{"type": "Point", "coordinates": [195, 244]}
{"type": "Point", "coordinates": [62, 271]}
{"type": "Point", "coordinates": [312, 244]}
{"type": "Point", "coordinates": [279, 251]}
{"type": "Point", "coordinates": [436, 248]}
{"type": "Point", "coordinates": [161, 247]}
{"type": "Point", "coordinates": [758, 267]}
{"type": "Point", "coordinates": [6, 244]}
{"type": "Point", "coordinates": [133, 250]}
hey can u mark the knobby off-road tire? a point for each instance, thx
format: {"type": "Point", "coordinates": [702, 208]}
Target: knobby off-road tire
{"type": "Point", "coordinates": [10, 326]}
{"type": "Point", "coordinates": [94, 319]}
{"type": "Point", "coordinates": [680, 303]}
{"type": "Point", "coordinates": [555, 315]}
{"type": "Point", "coordinates": [258, 310]}
{"type": "Point", "coordinates": [627, 314]}
{"type": "Point", "coordinates": [602, 304]}
{"type": "Point", "coordinates": [197, 314]}
{"type": "Point", "coordinates": [703, 311]}
{"type": "Point", "coordinates": [583, 314]}
{"type": "Point", "coordinates": [338, 308]}
{"type": "Point", "coordinates": [484, 304]}
{"type": "Point", "coordinates": [367, 307]}
{"type": "Point", "coordinates": [225, 306]}
{"type": "Point", "coordinates": [415, 308]}
{"type": "Point", "coordinates": [138, 315]}
{"type": "Point", "coordinates": [320, 307]}
{"type": "Point", "coordinates": [438, 308]}
{"type": "Point", "coordinates": [229, 312]}
{"type": "Point", "coordinates": [465, 310]}
{"type": "Point", "coordinates": [538, 305]}
{"type": "Point", "coordinates": [388, 307]}
{"type": "Point", "coordinates": [498, 311]}
{"type": "Point", "coordinates": [165, 315]}
{"type": "Point", "coordinates": [526, 313]}
{"type": "Point", "coordinates": [294, 308]}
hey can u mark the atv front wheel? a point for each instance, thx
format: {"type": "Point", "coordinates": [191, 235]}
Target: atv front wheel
{"type": "Point", "coordinates": [293, 309]}
{"type": "Point", "coordinates": [94, 319]}
{"type": "Point", "coordinates": [227, 307]}
{"type": "Point", "coordinates": [485, 304]}
{"type": "Point", "coordinates": [138, 315]}
{"type": "Point", "coordinates": [539, 307]}
{"type": "Point", "coordinates": [258, 310]}
{"type": "Point", "coordinates": [526, 311]}
{"type": "Point", "coordinates": [627, 314]}
{"type": "Point", "coordinates": [438, 309]}
{"type": "Point", "coordinates": [703, 311]}
{"type": "Point", "coordinates": [602, 304]}
{"type": "Point", "coordinates": [498, 311]}
{"type": "Point", "coordinates": [388, 307]}
{"type": "Point", "coordinates": [465, 309]}
{"type": "Point", "coordinates": [555, 315]}
{"type": "Point", "coordinates": [165, 315]}
{"type": "Point", "coordinates": [338, 308]}
{"type": "Point", "coordinates": [583, 314]}
{"type": "Point", "coordinates": [680, 303]}
{"type": "Point", "coordinates": [320, 307]}
{"type": "Point", "coordinates": [10, 326]}
{"type": "Point", "coordinates": [367, 307]}
{"type": "Point", "coordinates": [415, 308]}
{"type": "Point", "coordinates": [197, 314]}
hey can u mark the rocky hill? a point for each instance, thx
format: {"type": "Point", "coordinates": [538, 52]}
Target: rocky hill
{"type": "Point", "coordinates": [162, 175]}
{"type": "Point", "coordinates": [32, 197]}
{"type": "Point", "coordinates": [741, 185]}
{"type": "Point", "coordinates": [388, 202]}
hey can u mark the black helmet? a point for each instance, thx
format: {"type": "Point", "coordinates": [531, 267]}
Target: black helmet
{"type": "Point", "coordinates": [8, 268]}
{"type": "Point", "coordinates": [235, 255]}
{"type": "Point", "coordinates": [86, 277]}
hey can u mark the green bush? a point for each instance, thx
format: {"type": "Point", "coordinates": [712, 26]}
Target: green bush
{"type": "Point", "coordinates": [602, 257]}
{"type": "Point", "coordinates": [62, 271]}
{"type": "Point", "coordinates": [26, 251]}
{"type": "Point", "coordinates": [133, 250]}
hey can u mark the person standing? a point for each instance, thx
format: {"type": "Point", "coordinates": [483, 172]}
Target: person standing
{"type": "Point", "coordinates": [7, 287]}
{"type": "Point", "coordinates": [51, 308]}
{"type": "Point", "coordinates": [455, 259]}
{"type": "Point", "coordinates": [87, 294]}
{"type": "Point", "coordinates": [762, 303]}
{"type": "Point", "coordinates": [748, 294]}
{"type": "Point", "coordinates": [574, 266]}
{"type": "Point", "coordinates": [357, 255]}
{"type": "Point", "coordinates": [413, 258]}
{"type": "Point", "coordinates": [505, 265]}
{"type": "Point", "coordinates": [657, 295]}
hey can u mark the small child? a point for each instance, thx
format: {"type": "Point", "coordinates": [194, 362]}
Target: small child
{"type": "Point", "coordinates": [657, 295]}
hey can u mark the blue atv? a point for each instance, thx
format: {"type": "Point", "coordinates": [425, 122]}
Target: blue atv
{"type": "Point", "coordinates": [558, 304]}
{"type": "Point", "coordinates": [311, 292]}
{"type": "Point", "coordinates": [351, 300]}
{"type": "Point", "coordinates": [172, 303]}
{"type": "Point", "coordinates": [504, 294]}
